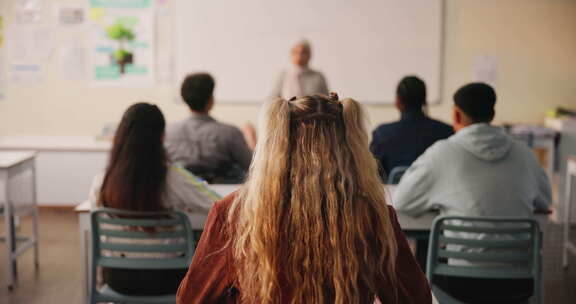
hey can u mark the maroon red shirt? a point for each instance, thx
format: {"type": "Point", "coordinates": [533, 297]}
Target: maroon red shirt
{"type": "Point", "coordinates": [212, 274]}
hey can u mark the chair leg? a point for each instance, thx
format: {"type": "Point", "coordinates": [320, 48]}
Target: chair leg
{"type": "Point", "coordinates": [35, 217]}
{"type": "Point", "coordinates": [566, 234]}
{"type": "Point", "coordinates": [36, 239]}
{"type": "Point", "coordinates": [10, 246]}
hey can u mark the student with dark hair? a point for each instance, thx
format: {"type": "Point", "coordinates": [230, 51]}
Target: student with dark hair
{"type": "Point", "coordinates": [400, 143]}
{"type": "Point", "coordinates": [210, 149]}
{"type": "Point", "coordinates": [479, 171]}
{"type": "Point", "coordinates": [197, 90]}
{"type": "Point", "coordinates": [139, 178]}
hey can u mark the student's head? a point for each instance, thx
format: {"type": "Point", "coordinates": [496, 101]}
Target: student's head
{"type": "Point", "coordinates": [136, 172]}
{"type": "Point", "coordinates": [473, 103]}
{"type": "Point", "coordinates": [301, 53]}
{"type": "Point", "coordinates": [313, 194]}
{"type": "Point", "coordinates": [197, 91]}
{"type": "Point", "coordinates": [411, 94]}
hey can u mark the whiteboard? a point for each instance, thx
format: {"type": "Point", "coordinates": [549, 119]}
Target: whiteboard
{"type": "Point", "coordinates": [363, 47]}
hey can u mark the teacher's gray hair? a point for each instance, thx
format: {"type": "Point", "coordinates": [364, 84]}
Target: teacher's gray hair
{"type": "Point", "coordinates": [305, 43]}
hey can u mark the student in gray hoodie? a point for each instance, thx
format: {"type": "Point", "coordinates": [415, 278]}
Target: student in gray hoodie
{"type": "Point", "coordinates": [479, 171]}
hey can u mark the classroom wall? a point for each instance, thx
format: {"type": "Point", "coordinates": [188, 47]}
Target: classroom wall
{"type": "Point", "coordinates": [534, 42]}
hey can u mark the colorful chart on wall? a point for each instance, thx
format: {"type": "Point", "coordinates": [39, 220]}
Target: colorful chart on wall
{"type": "Point", "coordinates": [122, 42]}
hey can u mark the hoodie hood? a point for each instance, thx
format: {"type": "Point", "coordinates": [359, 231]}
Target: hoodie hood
{"type": "Point", "coordinates": [487, 142]}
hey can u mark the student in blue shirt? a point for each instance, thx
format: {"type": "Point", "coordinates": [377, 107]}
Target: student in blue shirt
{"type": "Point", "coordinates": [400, 143]}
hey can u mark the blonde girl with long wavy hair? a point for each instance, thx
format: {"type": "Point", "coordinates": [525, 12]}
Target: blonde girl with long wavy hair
{"type": "Point", "coordinates": [311, 224]}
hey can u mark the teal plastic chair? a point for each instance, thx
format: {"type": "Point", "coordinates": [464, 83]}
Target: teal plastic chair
{"type": "Point", "coordinates": [396, 174]}
{"type": "Point", "coordinates": [518, 258]}
{"type": "Point", "coordinates": [115, 230]}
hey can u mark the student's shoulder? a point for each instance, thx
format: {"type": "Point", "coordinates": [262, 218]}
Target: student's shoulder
{"type": "Point", "coordinates": [224, 126]}
{"type": "Point", "coordinates": [522, 151]}
{"type": "Point", "coordinates": [226, 202]}
{"type": "Point", "coordinates": [181, 180]}
{"type": "Point", "coordinates": [221, 208]}
{"type": "Point", "coordinates": [441, 125]}
{"type": "Point", "coordinates": [175, 128]}
{"type": "Point", "coordinates": [440, 149]}
{"type": "Point", "coordinates": [387, 129]}
{"type": "Point", "coordinates": [178, 124]}
{"type": "Point", "coordinates": [227, 130]}
{"type": "Point", "coordinates": [393, 216]}
{"type": "Point", "coordinates": [392, 213]}
{"type": "Point", "coordinates": [178, 175]}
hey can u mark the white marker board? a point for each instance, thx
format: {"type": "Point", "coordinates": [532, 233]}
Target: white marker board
{"type": "Point", "coordinates": [363, 47]}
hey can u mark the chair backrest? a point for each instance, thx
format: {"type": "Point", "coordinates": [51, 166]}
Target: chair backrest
{"type": "Point", "coordinates": [491, 247]}
{"type": "Point", "coordinates": [396, 174]}
{"type": "Point", "coordinates": [140, 240]}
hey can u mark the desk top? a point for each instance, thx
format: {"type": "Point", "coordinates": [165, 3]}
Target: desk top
{"type": "Point", "coordinates": [54, 143]}
{"type": "Point", "coordinates": [11, 158]}
{"type": "Point", "coordinates": [407, 222]}
{"type": "Point", "coordinates": [222, 189]}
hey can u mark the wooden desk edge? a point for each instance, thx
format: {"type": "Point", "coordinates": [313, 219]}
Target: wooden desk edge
{"type": "Point", "coordinates": [83, 207]}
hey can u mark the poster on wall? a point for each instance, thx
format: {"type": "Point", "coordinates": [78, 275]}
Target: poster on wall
{"type": "Point", "coordinates": [122, 42]}
{"type": "Point", "coordinates": [69, 15]}
{"type": "Point", "coordinates": [27, 12]}
{"type": "Point", "coordinates": [29, 45]}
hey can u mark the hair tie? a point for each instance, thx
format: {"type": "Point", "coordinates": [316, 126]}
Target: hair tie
{"type": "Point", "coordinates": [334, 96]}
{"type": "Point", "coordinates": [317, 116]}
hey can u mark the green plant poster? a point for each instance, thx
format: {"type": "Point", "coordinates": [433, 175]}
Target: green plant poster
{"type": "Point", "coordinates": [122, 42]}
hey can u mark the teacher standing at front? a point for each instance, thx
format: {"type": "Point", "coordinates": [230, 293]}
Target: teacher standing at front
{"type": "Point", "coordinates": [300, 80]}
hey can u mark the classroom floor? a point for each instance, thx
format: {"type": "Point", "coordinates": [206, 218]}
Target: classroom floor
{"type": "Point", "coordinates": [58, 280]}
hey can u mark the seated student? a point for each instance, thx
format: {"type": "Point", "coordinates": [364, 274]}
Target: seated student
{"type": "Point", "coordinates": [479, 171]}
{"type": "Point", "coordinates": [211, 149]}
{"type": "Point", "coordinates": [400, 143]}
{"type": "Point", "coordinates": [311, 224]}
{"type": "Point", "coordinates": [138, 178]}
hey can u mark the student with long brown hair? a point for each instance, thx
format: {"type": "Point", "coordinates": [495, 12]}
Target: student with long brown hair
{"type": "Point", "coordinates": [311, 223]}
{"type": "Point", "coordinates": [140, 178]}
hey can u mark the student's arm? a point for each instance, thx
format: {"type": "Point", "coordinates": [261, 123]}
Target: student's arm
{"type": "Point", "coordinates": [249, 133]}
{"type": "Point", "coordinates": [412, 285]}
{"type": "Point", "coordinates": [210, 274]}
{"type": "Point", "coordinates": [187, 192]}
{"type": "Point", "coordinates": [412, 195]}
{"type": "Point", "coordinates": [238, 149]}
